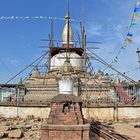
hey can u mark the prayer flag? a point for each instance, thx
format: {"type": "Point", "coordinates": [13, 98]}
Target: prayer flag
{"type": "Point", "coordinates": [136, 9]}
{"type": "Point", "coordinates": [138, 3]}
{"type": "Point", "coordinates": [132, 24]}
{"type": "Point", "coordinates": [136, 15]}
{"type": "Point", "coordinates": [129, 40]}
{"type": "Point", "coordinates": [134, 19]}
{"type": "Point", "coordinates": [129, 34]}
{"type": "Point", "coordinates": [113, 61]}
{"type": "Point", "coordinates": [123, 46]}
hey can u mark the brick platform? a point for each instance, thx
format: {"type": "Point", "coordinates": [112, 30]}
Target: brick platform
{"type": "Point", "coordinates": [65, 132]}
{"type": "Point", "coordinates": [65, 121]}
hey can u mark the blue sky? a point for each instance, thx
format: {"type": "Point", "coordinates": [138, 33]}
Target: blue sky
{"type": "Point", "coordinates": [105, 20]}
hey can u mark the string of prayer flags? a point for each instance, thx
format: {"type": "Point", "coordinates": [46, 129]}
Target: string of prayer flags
{"type": "Point", "coordinates": [33, 17]}
{"type": "Point", "coordinates": [123, 46]}
{"type": "Point", "coordinates": [136, 10]}
{"type": "Point", "coordinates": [129, 35]}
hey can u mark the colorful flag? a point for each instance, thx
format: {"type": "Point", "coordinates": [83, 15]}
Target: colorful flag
{"type": "Point", "coordinates": [129, 40]}
{"type": "Point", "coordinates": [134, 19]}
{"type": "Point", "coordinates": [136, 9]}
{"type": "Point", "coordinates": [129, 34]}
{"type": "Point", "coordinates": [123, 47]}
{"type": "Point", "coordinates": [132, 24]}
{"type": "Point", "coordinates": [114, 61]}
{"type": "Point", "coordinates": [138, 3]}
{"type": "Point", "coordinates": [136, 15]}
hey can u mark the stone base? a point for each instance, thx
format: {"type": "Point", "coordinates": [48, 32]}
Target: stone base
{"type": "Point", "coordinates": [65, 132]}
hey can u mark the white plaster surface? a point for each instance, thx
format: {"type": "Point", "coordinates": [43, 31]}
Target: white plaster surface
{"type": "Point", "coordinates": [97, 113]}
{"type": "Point", "coordinates": [58, 60]}
{"type": "Point", "coordinates": [108, 113]}
{"type": "Point", "coordinates": [22, 112]}
{"type": "Point", "coordinates": [129, 112]}
{"type": "Point", "coordinates": [65, 85]}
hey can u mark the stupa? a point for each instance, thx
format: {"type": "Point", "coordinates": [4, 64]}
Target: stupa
{"type": "Point", "coordinates": [65, 121]}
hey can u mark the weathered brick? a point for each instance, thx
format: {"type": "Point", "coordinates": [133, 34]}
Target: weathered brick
{"type": "Point", "coordinates": [65, 122]}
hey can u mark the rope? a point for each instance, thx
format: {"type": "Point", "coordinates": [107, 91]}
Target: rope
{"type": "Point", "coordinates": [109, 66]}
{"type": "Point", "coordinates": [25, 69]}
{"type": "Point", "coordinates": [35, 66]}
{"type": "Point", "coordinates": [45, 75]}
{"type": "Point", "coordinates": [137, 68]}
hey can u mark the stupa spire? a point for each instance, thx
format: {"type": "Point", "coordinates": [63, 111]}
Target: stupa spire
{"type": "Point", "coordinates": [67, 27]}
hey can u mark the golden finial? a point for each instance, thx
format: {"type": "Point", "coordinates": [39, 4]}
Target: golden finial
{"type": "Point", "coordinates": [67, 17]}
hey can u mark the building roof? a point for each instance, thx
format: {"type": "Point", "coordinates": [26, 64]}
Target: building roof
{"type": "Point", "coordinates": [11, 85]}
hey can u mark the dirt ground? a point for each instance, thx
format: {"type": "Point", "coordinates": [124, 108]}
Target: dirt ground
{"type": "Point", "coordinates": [30, 128]}
{"type": "Point", "coordinates": [23, 129]}
{"type": "Point", "coordinates": [127, 128]}
{"type": "Point", "coordinates": [124, 128]}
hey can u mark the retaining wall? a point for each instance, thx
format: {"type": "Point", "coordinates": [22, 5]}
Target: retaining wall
{"type": "Point", "coordinates": [107, 113]}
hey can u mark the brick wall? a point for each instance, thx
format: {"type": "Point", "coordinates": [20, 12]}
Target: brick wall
{"type": "Point", "coordinates": [65, 132]}
{"type": "Point", "coordinates": [65, 121]}
{"type": "Point", "coordinates": [65, 113]}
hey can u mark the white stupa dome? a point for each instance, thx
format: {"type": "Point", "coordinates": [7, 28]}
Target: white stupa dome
{"type": "Point", "coordinates": [58, 60]}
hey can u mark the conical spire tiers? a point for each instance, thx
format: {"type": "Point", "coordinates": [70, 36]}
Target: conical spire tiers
{"type": "Point", "coordinates": [65, 32]}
